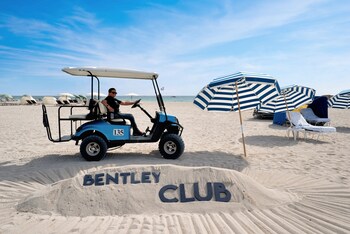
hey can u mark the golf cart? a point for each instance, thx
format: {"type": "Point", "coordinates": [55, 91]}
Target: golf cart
{"type": "Point", "coordinates": [98, 132]}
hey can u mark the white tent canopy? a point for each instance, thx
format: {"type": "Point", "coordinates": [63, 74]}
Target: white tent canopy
{"type": "Point", "coordinates": [49, 101]}
{"type": "Point", "coordinates": [26, 98]}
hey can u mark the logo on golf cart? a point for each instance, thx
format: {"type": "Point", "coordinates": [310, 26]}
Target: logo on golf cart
{"type": "Point", "coordinates": [118, 132]}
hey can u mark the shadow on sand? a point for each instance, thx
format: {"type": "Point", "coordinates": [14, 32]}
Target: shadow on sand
{"type": "Point", "coordinates": [278, 141]}
{"type": "Point", "coordinates": [269, 141]}
{"type": "Point", "coordinates": [343, 129]}
{"type": "Point", "coordinates": [67, 166]}
{"type": "Point", "coordinates": [259, 120]}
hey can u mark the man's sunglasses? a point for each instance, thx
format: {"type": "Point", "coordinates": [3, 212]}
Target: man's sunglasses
{"type": "Point", "coordinates": [114, 92]}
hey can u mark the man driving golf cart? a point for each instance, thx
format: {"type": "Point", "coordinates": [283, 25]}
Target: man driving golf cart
{"type": "Point", "coordinates": [96, 134]}
{"type": "Point", "coordinates": [112, 104]}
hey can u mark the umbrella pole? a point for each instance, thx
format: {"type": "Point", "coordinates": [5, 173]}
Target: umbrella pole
{"type": "Point", "coordinates": [240, 118]}
{"type": "Point", "coordinates": [284, 96]}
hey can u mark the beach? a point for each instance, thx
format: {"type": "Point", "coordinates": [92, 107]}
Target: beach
{"type": "Point", "coordinates": [282, 186]}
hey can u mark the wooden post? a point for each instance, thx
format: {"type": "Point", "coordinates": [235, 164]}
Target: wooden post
{"type": "Point", "coordinates": [240, 118]}
{"type": "Point", "coordinates": [284, 96]}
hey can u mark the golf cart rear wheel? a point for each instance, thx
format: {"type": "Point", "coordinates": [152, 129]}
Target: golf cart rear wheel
{"type": "Point", "coordinates": [93, 148]}
{"type": "Point", "coordinates": [171, 146]}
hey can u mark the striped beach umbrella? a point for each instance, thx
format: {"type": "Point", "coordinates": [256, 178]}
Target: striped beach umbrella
{"type": "Point", "coordinates": [341, 100]}
{"type": "Point", "coordinates": [237, 92]}
{"type": "Point", "coordinates": [291, 97]}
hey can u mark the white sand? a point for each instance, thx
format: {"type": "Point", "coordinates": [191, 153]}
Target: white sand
{"type": "Point", "coordinates": [283, 186]}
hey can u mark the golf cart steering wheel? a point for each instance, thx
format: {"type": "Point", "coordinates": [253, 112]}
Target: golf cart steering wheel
{"type": "Point", "coordinates": [136, 103]}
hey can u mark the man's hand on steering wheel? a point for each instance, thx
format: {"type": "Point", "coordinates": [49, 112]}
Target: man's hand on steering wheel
{"type": "Point", "coordinates": [136, 103]}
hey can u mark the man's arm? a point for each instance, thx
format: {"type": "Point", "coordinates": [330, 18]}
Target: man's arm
{"type": "Point", "coordinates": [104, 102]}
{"type": "Point", "coordinates": [126, 103]}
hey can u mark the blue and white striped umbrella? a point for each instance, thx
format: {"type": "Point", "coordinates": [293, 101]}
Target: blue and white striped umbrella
{"type": "Point", "coordinates": [252, 89]}
{"type": "Point", "coordinates": [291, 98]}
{"type": "Point", "coordinates": [341, 100]}
{"type": "Point", "coordinates": [236, 92]}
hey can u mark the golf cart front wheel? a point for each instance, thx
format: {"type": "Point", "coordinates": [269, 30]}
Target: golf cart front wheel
{"type": "Point", "coordinates": [171, 146]}
{"type": "Point", "coordinates": [93, 148]}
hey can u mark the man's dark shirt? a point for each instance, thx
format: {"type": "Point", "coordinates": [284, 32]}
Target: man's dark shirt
{"type": "Point", "coordinates": [114, 103]}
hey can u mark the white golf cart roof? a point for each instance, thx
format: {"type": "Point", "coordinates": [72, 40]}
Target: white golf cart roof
{"type": "Point", "coordinates": [110, 72]}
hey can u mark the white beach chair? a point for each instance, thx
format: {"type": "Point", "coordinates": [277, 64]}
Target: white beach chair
{"type": "Point", "coordinates": [311, 118]}
{"type": "Point", "coordinates": [299, 124]}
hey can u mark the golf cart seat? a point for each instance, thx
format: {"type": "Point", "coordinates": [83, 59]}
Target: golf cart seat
{"type": "Point", "coordinates": [91, 115]}
{"type": "Point", "coordinates": [79, 117]}
{"type": "Point", "coordinates": [104, 113]}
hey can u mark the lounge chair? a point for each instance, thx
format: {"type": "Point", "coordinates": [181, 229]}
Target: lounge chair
{"type": "Point", "coordinates": [299, 124]}
{"type": "Point", "coordinates": [66, 102]}
{"type": "Point", "coordinates": [311, 118]}
{"type": "Point", "coordinates": [59, 102]}
{"type": "Point", "coordinates": [29, 102]}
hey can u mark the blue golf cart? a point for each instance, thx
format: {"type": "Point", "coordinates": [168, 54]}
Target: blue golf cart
{"type": "Point", "coordinates": [99, 132]}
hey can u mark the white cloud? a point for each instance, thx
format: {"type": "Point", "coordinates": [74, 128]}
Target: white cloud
{"type": "Point", "coordinates": [27, 27]}
{"type": "Point", "coordinates": [177, 42]}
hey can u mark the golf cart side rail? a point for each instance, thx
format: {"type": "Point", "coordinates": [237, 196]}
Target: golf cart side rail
{"type": "Point", "coordinates": [46, 123]}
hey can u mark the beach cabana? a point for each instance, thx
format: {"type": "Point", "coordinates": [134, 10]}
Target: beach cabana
{"type": "Point", "coordinates": [65, 97]}
{"type": "Point", "coordinates": [318, 111]}
{"type": "Point", "coordinates": [64, 100]}
{"type": "Point", "coordinates": [27, 99]}
{"type": "Point", "coordinates": [320, 106]}
{"type": "Point", "coordinates": [237, 92]}
{"type": "Point", "coordinates": [49, 100]}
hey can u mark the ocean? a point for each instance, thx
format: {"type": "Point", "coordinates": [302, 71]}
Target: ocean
{"type": "Point", "coordinates": [129, 98]}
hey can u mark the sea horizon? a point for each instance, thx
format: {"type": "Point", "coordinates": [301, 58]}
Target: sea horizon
{"type": "Point", "coordinates": [144, 98]}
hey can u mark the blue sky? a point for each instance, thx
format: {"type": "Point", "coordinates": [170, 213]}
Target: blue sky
{"type": "Point", "coordinates": [189, 43]}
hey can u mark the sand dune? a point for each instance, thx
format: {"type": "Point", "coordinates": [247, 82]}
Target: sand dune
{"type": "Point", "coordinates": [262, 202]}
{"type": "Point", "coordinates": [128, 195]}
